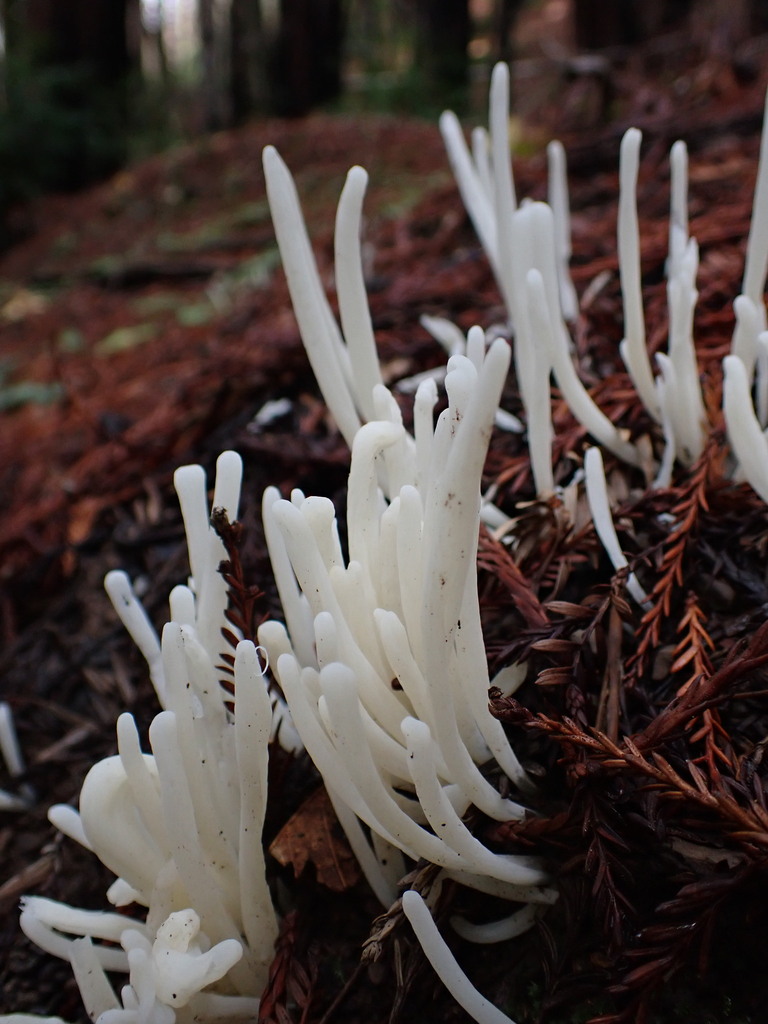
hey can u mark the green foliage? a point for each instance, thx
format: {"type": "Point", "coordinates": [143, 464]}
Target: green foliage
{"type": "Point", "coordinates": [59, 131]}
{"type": "Point", "coordinates": [123, 338]}
{"type": "Point", "coordinates": [15, 394]}
{"type": "Point", "coordinates": [386, 69]}
{"type": "Point", "coordinates": [155, 115]}
{"type": "Point", "coordinates": [56, 130]}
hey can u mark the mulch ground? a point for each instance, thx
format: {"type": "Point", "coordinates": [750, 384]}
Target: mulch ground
{"type": "Point", "coordinates": [145, 322]}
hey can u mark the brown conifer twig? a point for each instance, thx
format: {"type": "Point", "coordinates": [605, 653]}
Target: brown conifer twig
{"type": "Point", "coordinates": [704, 692]}
{"type": "Point", "coordinates": [494, 558]}
{"type": "Point", "coordinates": [686, 511]}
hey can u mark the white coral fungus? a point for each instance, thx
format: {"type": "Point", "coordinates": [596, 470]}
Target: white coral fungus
{"type": "Point", "coordinates": [516, 246]}
{"type": "Point", "coordinates": [181, 826]}
{"type": "Point", "coordinates": [446, 967]}
{"type": "Point", "coordinates": [381, 658]}
{"type": "Point", "coordinates": [403, 607]}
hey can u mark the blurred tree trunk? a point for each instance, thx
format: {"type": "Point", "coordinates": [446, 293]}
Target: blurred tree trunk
{"type": "Point", "coordinates": [214, 97]}
{"type": "Point", "coordinates": [603, 23]}
{"type": "Point", "coordinates": [442, 48]}
{"type": "Point", "coordinates": [305, 63]}
{"type": "Point", "coordinates": [89, 33]}
{"type": "Point", "coordinates": [597, 24]}
{"type": "Point", "coordinates": [504, 20]}
{"type": "Point", "coordinates": [247, 83]}
{"type": "Point", "coordinates": [153, 40]}
{"type": "Point", "coordinates": [68, 66]}
{"type": "Point", "coordinates": [12, 14]}
{"type": "Point", "coordinates": [724, 23]}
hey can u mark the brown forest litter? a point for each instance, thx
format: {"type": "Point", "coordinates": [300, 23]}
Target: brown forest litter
{"type": "Point", "coordinates": [150, 310]}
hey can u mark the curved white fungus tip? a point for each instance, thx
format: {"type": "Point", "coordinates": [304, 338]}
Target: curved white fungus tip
{"type": "Point", "coordinates": [510, 678]}
{"type": "Point", "coordinates": [747, 439]}
{"type": "Point", "coordinates": [189, 481]}
{"type": "Point", "coordinates": [182, 969]}
{"type": "Point", "coordinates": [633, 348]}
{"type": "Point", "coordinates": [558, 200]}
{"type": "Point", "coordinates": [10, 802]}
{"type": "Point", "coordinates": [497, 931]}
{"type": "Point", "coordinates": [229, 476]}
{"type": "Point", "coordinates": [182, 605]}
{"type": "Point", "coordinates": [597, 496]}
{"type": "Point", "coordinates": [756, 262]}
{"type": "Point", "coordinates": [445, 964]}
{"type": "Point", "coordinates": [67, 820]}
{"type": "Point", "coordinates": [131, 613]}
{"type": "Point", "coordinates": [446, 332]}
{"type": "Point", "coordinates": [29, 1018]}
{"type": "Point", "coordinates": [121, 894]}
{"type": "Point", "coordinates": [11, 754]}
{"type": "Point", "coordinates": [9, 743]}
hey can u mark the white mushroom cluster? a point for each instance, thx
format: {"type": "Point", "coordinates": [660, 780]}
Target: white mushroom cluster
{"type": "Point", "coordinates": [181, 826]}
{"type": "Point", "coordinates": [382, 659]}
{"type": "Point", "coordinates": [381, 656]}
{"type": "Point", "coordinates": [528, 247]}
{"type": "Point", "coordinates": [383, 662]}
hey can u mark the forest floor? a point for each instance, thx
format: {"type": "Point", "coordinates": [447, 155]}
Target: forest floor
{"type": "Point", "coordinates": [145, 322]}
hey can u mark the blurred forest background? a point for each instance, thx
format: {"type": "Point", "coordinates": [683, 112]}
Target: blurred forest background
{"type": "Point", "coordinates": [86, 85]}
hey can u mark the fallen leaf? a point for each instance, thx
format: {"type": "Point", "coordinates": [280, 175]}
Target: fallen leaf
{"type": "Point", "coordinates": [23, 303]}
{"type": "Point", "coordinates": [313, 835]}
{"type": "Point", "coordinates": [126, 337]}
{"type": "Point", "coordinates": [30, 392]}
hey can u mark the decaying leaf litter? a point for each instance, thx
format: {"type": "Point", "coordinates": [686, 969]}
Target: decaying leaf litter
{"type": "Point", "coordinates": [652, 808]}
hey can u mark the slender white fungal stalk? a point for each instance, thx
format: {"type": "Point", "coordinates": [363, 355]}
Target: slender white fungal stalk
{"type": "Point", "coordinates": [406, 761]}
{"type": "Point", "coordinates": [516, 241]}
{"type": "Point", "coordinates": [633, 348]}
{"type": "Point", "coordinates": [682, 407]}
{"type": "Point", "coordinates": [504, 201]}
{"type": "Point", "coordinates": [597, 496]}
{"type": "Point", "coordinates": [749, 443]}
{"type": "Point", "coordinates": [751, 322]}
{"type": "Point", "coordinates": [678, 206]}
{"type": "Point", "coordinates": [353, 301]}
{"type": "Point", "coordinates": [10, 751]}
{"type": "Point", "coordinates": [136, 621]}
{"type": "Point", "coordinates": [382, 658]}
{"type": "Point", "coordinates": [346, 380]}
{"type": "Point", "coordinates": [488, 191]}
{"type": "Point", "coordinates": [761, 379]}
{"type": "Point", "coordinates": [475, 187]}
{"type": "Point", "coordinates": [665, 391]}
{"type": "Point", "coordinates": [558, 201]}
{"type": "Point", "coordinates": [404, 606]}
{"type": "Point", "coordinates": [756, 261]}
{"type": "Point", "coordinates": [181, 826]}
{"type": "Point", "coordinates": [253, 717]}
{"type": "Point", "coordinates": [445, 964]}
{"type": "Point", "coordinates": [98, 996]}
{"type": "Point", "coordinates": [578, 398]}
{"type": "Point", "coordinates": [497, 931]}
